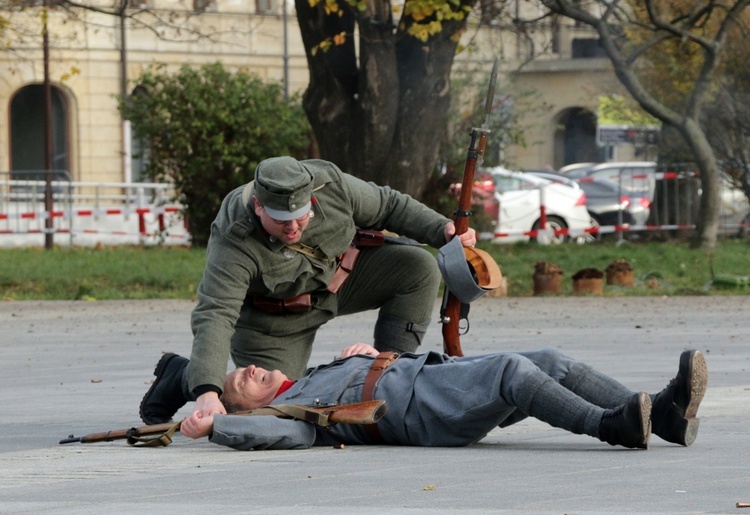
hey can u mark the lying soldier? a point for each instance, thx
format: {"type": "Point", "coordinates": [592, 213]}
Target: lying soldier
{"type": "Point", "coordinates": [437, 400]}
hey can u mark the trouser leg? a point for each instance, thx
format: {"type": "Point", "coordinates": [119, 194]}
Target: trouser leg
{"type": "Point", "coordinates": [459, 400]}
{"type": "Point", "coordinates": [185, 386]}
{"type": "Point", "coordinates": [538, 394]}
{"type": "Point", "coordinates": [402, 281]}
{"type": "Point", "coordinates": [559, 407]}
{"type": "Point", "coordinates": [596, 387]}
{"type": "Point", "coordinates": [627, 425]}
{"type": "Point", "coordinates": [580, 378]}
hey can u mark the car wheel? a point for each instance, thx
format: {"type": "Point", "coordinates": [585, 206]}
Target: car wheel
{"type": "Point", "coordinates": [590, 237]}
{"type": "Point", "coordinates": [553, 223]}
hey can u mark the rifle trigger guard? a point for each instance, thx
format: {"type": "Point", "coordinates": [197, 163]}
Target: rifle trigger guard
{"type": "Point", "coordinates": [464, 316]}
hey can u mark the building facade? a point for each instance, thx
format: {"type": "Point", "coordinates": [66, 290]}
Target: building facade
{"type": "Point", "coordinates": [96, 58]}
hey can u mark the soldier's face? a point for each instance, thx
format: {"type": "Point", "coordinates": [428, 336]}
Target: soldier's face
{"type": "Point", "coordinates": [252, 387]}
{"type": "Point", "coordinates": [287, 232]}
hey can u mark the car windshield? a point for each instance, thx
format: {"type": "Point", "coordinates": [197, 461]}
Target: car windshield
{"type": "Point", "coordinates": [515, 183]}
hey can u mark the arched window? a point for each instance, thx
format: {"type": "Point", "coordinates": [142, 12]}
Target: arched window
{"type": "Point", "coordinates": [27, 129]}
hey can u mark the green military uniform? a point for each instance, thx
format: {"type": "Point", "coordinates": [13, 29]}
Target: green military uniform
{"type": "Point", "coordinates": [243, 263]}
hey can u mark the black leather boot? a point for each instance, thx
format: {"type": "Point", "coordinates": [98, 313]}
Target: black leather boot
{"type": "Point", "coordinates": [166, 395]}
{"type": "Point", "coordinates": [628, 425]}
{"type": "Point", "coordinates": [673, 416]}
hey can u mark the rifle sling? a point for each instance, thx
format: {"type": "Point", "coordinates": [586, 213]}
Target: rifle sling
{"type": "Point", "coordinates": [159, 440]}
{"type": "Point", "coordinates": [376, 370]}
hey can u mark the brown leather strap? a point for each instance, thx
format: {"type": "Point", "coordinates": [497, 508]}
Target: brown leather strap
{"type": "Point", "coordinates": [366, 238]}
{"type": "Point", "coordinates": [376, 370]}
{"type": "Point", "coordinates": [302, 303]}
{"type": "Point", "coordinates": [346, 265]}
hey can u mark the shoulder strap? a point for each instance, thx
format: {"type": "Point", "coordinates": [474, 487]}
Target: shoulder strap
{"type": "Point", "coordinates": [246, 193]}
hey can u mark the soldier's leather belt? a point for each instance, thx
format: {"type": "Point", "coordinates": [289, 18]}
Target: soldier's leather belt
{"type": "Point", "coordinates": [376, 370]}
{"type": "Point", "coordinates": [294, 305]}
{"type": "Point", "coordinates": [303, 303]}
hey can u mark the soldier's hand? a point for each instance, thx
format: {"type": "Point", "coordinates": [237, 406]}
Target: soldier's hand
{"type": "Point", "coordinates": [209, 404]}
{"type": "Point", "coordinates": [197, 426]}
{"type": "Point", "coordinates": [359, 348]}
{"type": "Point", "coordinates": [468, 239]}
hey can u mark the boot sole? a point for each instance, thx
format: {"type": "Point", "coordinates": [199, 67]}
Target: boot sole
{"type": "Point", "coordinates": [158, 371]}
{"type": "Point", "coordinates": [698, 377]}
{"type": "Point", "coordinates": [644, 402]}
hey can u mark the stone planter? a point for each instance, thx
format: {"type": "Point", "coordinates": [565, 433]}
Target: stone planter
{"type": "Point", "coordinates": [588, 281]}
{"type": "Point", "coordinates": [620, 273]}
{"type": "Point", "coordinates": [547, 284]}
{"type": "Point", "coordinates": [547, 278]}
{"type": "Point", "coordinates": [588, 286]}
{"type": "Point", "coordinates": [620, 277]}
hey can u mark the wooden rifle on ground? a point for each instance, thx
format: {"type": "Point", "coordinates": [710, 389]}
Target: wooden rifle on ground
{"type": "Point", "coordinates": [160, 435]}
{"type": "Point", "coordinates": [453, 310]}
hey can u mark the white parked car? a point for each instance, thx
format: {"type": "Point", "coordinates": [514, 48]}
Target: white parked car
{"type": "Point", "coordinates": [519, 196]}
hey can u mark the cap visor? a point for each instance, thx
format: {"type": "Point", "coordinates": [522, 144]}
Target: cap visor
{"type": "Point", "coordinates": [288, 216]}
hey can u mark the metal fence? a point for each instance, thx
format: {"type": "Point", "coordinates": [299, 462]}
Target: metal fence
{"type": "Point", "coordinates": [673, 209]}
{"type": "Point", "coordinates": [677, 200]}
{"type": "Point", "coordinates": [88, 213]}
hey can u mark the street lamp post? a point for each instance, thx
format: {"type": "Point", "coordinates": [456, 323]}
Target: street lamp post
{"type": "Point", "coordinates": [48, 200]}
{"type": "Point", "coordinates": [286, 50]}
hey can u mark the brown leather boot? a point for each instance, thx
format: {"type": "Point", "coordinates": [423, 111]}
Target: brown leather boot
{"type": "Point", "coordinates": [673, 416]}
{"type": "Point", "coordinates": [628, 425]}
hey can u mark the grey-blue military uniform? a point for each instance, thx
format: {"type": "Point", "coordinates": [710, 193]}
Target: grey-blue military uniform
{"type": "Point", "coordinates": [243, 262]}
{"type": "Point", "coordinates": [437, 400]}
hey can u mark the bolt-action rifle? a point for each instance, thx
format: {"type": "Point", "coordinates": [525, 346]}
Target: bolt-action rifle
{"type": "Point", "coordinates": [453, 310]}
{"type": "Point", "coordinates": [160, 435]}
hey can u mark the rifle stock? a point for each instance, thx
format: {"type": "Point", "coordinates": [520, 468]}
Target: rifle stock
{"type": "Point", "coordinates": [452, 310]}
{"type": "Point", "coordinates": [357, 413]}
{"type": "Point", "coordinates": [368, 412]}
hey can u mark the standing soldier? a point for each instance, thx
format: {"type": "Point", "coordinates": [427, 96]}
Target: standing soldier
{"type": "Point", "coordinates": [280, 263]}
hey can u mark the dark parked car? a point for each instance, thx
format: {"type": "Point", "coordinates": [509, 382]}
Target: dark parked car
{"type": "Point", "coordinates": [605, 200]}
{"type": "Point", "coordinates": [608, 205]}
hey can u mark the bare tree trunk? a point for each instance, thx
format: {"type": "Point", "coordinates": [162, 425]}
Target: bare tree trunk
{"type": "Point", "coordinates": [380, 116]}
{"type": "Point", "coordinates": [708, 219]}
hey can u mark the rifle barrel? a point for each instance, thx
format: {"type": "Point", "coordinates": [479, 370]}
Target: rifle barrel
{"type": "Point", "coordinates": [451, 309]}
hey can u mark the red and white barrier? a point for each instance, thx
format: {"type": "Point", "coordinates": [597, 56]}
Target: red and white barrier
{"type": "Point", "coordinates": [88, 225]}
{"type": "Point", "coordinates": [43, 215]}
{"type": "Point", "coordinates": [606, 229]}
